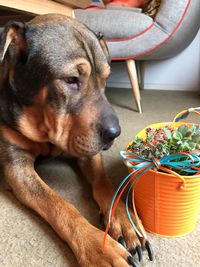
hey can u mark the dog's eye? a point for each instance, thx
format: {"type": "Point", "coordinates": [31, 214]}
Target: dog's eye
{"type": "Point", "coordinates": [73, 82]}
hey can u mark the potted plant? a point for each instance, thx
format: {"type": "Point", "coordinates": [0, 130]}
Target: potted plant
{"type": "Point", "coordinates": [164, 177]}
{"type": "Point", "coordinates": [165, 141]}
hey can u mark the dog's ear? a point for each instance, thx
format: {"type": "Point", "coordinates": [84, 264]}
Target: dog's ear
{"type": "Point", "coordinates": [104, 46]}
{"type": "Point", "coordinates": [12, 38]}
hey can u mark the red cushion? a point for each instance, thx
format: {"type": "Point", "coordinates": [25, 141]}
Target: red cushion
{"type": "Point", "coordinates": [129, 3]}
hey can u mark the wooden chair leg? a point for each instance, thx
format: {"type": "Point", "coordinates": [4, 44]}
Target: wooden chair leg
{"type": "Point", "coordinates": [131, 67]}
{"type": "Point", "coordinates": [142, 69]}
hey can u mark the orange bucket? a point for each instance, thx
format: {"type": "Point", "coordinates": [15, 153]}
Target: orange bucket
{"type": "Point", "coordinates": [165, 208]}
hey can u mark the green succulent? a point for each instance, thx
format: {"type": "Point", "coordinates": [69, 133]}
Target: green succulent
{"type": "Point", "coordinates": [161, 142]}
{"type": "Point", "coordinates": [165, 141]}
{"type": "Point", "coordinates": [186, 139]}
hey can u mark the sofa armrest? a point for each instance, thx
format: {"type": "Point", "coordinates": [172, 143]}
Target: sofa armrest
{"type": "Point", "coordinates": [171, 12]}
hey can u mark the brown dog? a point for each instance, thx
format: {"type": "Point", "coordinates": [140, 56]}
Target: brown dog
{"type": "Point", "coordinates": [52, 81]}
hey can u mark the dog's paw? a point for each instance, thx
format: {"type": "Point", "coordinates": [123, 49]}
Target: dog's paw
{"type": "Point", "coordinates": [91, 254]}
{"type": "Point", "coordinates": [121, 230]}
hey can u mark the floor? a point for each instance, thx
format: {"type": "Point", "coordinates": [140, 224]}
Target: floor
{"type": "Point", "coordinates": [26, 240]}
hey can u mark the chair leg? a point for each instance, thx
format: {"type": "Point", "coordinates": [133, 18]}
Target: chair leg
{"type": "Point", "coordinates": [131, 67]}
{"type": "Point", "coordinates": [142, 70]}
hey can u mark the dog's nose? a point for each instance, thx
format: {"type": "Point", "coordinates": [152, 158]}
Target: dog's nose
{"type": "Point", "coordinates": [110, 133]}
{"type": "Point", "coordinates": [109, 128]}
{"type": "Point", "coordinates": [108, 125]}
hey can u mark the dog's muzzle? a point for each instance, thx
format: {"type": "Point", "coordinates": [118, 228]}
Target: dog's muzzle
{"type": "Point", "coordinates": [109, 129]}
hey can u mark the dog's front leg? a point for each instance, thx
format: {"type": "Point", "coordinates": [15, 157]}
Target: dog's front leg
{"type": "Point", "coordinates": [120, 228]}
{"type": "Point", "coordinates": [84, 239]}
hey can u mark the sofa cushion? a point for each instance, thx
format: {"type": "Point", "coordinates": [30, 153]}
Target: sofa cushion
{"type": "Point", "coordinates": [113, 23]}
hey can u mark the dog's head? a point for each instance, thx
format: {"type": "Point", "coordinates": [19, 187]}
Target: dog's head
{"type": "Point", "coordinates": [53, 71]}
{"type": "Point", "coordinates": [56, 74]}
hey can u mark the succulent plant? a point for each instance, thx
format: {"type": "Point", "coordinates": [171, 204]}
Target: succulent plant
{"type": "Point", "coordinates": [167, 140]}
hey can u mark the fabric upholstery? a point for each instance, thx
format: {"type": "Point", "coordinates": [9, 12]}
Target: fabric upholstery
{"type": "Point", "coordinates": [115, 23]}
{"type": "Point", "coordinates": [174, 27]}
{"type": "Point", "coordinates": [125, 8]}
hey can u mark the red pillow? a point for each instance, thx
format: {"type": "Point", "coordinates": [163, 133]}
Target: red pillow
{"type": "Point", "coordinates": [129, 3]}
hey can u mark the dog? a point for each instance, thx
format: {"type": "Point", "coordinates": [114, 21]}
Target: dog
{"type": "Point", "coordinates": [52, 81]}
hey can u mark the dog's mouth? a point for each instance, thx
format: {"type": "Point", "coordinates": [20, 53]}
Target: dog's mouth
{"type": "Point", "coordinates": [84, 146]}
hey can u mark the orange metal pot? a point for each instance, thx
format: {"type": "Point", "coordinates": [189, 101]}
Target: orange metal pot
{"type": "Point", "coordinates": [164, 208]}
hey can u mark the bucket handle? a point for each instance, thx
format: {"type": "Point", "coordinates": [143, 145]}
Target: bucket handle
{"type": "Point", "coordinates": [183, 114]}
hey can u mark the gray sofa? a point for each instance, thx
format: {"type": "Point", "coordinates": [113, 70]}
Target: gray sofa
{"type": "Point", "coordinates": [132, 35]}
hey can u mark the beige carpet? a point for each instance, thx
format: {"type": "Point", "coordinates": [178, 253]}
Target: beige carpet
{"type": "Point", "coordinates": [26, 240]}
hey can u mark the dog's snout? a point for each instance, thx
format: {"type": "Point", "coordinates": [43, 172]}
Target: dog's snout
{"type": "Point", "coordinates": [109, 129]}
{"type": "Point", "coordinates": [110, 133]}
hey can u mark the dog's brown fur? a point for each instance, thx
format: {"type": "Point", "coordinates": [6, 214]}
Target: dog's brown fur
{"type": "Point", "coordinates": [53, 75]}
